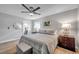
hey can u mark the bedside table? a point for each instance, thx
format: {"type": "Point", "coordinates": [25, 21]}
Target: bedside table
{"type": "Point", "coordinates": [67, 42]}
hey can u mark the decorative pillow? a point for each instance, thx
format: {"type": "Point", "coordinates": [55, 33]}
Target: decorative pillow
{"type": "Point", "coordinates": [51, 32]}
{"type": "Point", "coordinates": [46, 31]}
{"type": "Point", "coordinates": [42, 31]}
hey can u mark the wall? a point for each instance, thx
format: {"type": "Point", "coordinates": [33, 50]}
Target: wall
{"type": "Point", "coordinates": [78, 29]}
{"type": "Point", "coordinates": [8, 21]}
{"type": "Point", "coordinates": [58, 19]}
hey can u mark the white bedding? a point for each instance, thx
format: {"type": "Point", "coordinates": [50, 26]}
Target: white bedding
{"type": "Point", "coordinates": [43, 40]}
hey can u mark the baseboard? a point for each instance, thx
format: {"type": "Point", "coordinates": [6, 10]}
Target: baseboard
{"type": "Point", "coordinates": [5, 41]}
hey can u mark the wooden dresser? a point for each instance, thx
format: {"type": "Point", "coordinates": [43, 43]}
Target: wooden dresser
{"type": "Point", "coordinates": [67, 42]}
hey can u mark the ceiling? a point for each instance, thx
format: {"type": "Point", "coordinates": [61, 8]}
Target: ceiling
{"type": "Point", "coordinates": [46, 9]}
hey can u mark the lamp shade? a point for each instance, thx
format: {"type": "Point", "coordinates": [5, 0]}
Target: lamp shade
{"type": "Point", "coordinates": [67, 26]}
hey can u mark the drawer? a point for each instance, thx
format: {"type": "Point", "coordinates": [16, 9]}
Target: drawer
{"type": "Point", "coordinates": [66, 42]}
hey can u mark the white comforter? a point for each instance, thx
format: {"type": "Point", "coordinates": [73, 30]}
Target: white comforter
{"type": "Point", "coordinates": [46, 43]}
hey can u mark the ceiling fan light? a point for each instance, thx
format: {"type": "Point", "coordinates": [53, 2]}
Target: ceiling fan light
{"type": "Point", "coordinates": [31, 14]}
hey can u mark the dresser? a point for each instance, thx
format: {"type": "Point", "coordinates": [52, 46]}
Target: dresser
{"type": "Point", "coordinates": [67, 42]}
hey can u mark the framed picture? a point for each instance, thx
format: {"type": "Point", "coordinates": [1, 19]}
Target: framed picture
{"type": "Point", "coordinates": [47, 23]}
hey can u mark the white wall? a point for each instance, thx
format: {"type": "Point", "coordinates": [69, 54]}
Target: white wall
{"type": "Point", "coordinates": [8, 21]}
{"type": "Point", "coordinates": [57, 20]}
{"type": "Point", "coordinates": [78, 29]}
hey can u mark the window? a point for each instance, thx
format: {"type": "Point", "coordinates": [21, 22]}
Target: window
{"type": "Point", "coordinates": [37, 26]}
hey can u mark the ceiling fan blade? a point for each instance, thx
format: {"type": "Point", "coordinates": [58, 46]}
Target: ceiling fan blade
{"type": "Point", "coordinates": [36, 9]}
{"type": "Point", "coordinates": [24, 12]}
{"type": "Point", "coordinates": [36, 13]}
{"type": "Point", "coordinates": [26, 7]}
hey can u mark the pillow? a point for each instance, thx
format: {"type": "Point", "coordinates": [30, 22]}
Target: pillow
{"type": "Point", "coordinates": [46, 31]}
{"type": "Point", "coordinates": [51, 32]}
{"type": "Point", "coordinates": [42, 31]}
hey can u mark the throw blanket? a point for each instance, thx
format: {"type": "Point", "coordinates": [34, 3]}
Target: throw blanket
{"type": "Point", "coordinates": [43, 43]}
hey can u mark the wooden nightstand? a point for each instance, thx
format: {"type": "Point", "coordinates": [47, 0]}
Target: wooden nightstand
{"type": "Point", "coordinates": [67, 42]}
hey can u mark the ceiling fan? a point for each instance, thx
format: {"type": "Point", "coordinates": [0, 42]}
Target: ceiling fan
{"type": "Point", "coordinates": [31, 11]}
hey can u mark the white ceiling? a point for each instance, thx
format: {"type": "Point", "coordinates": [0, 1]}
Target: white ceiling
{"type": "Point", "coordinates": [46, 9]}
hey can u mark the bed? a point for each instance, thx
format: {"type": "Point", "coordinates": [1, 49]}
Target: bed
{"type": "Point", "coordinates": [41, 43]}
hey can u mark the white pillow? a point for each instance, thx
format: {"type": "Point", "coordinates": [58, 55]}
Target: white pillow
{"type": "Point", "coordinates": [46, 31]}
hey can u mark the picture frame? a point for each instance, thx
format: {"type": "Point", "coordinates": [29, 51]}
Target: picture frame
{"type": "Point", "coordinates": [47, 23]}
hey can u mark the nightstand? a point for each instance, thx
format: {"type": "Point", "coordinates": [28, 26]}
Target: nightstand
{"type": "Point", "coordinates": [67, 42]}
